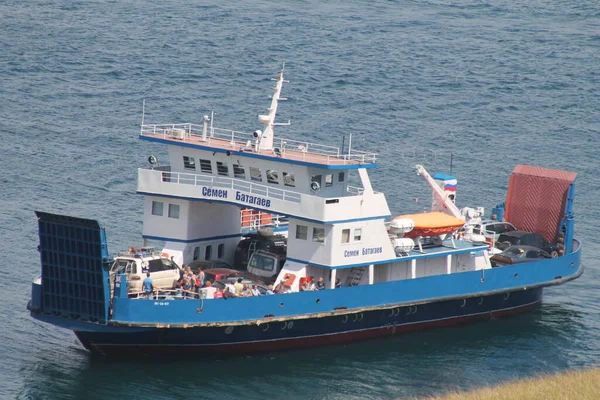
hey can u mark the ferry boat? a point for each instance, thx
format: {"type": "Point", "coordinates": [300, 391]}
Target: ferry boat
{"type": "Point", "coordinates": [382, 274]}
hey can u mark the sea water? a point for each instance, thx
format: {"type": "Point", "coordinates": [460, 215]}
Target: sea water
{"type": "Point", "coordinates": [484, 84]}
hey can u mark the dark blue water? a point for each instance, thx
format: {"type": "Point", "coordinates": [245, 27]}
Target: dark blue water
{"type": "Point", "coordinates": [493, 84]}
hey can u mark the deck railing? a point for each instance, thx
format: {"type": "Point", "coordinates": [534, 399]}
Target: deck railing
{"type": "Point", "coordinates": [242, 141]}
{"type": "Point", "coordinates": [230, 183]}
{"type": "Point", "coordinates": [253, 220]}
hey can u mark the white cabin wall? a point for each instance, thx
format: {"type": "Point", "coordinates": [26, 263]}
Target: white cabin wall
{"type": "Point", "coordinates": [337, 188]}
{"type": "Point", "coordinates": [381, 273]}
{"type": "Point", "coordinates": [373, 246]}
{"type": "Point", "coordinates": [220, 219]}
{"type": "Point", "coordinates": [308, 249]}
{"type": "Point", "coordinates": [399, 271]}
{"type": "Point", "coordinates": [301, 173]}
{"type": "Point", "coordinates": [162, 226]}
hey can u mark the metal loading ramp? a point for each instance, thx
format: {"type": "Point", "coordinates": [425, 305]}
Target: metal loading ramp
{"type": "Point", "coordinates": [536, 199]}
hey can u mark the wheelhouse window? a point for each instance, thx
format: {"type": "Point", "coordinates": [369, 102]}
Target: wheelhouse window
{"type": "Point", "coordinates": [157, 208]}
{"type": "Point", "coordinates": [238, 171]}
{"type": "Point", "coordinates": [222, 168]}
{"type": "Point", "coordinates": [255, 174]}
{"type": "Point", "coordinates": [357, 234]}
{"type": "Point", "coordinates": [288, 179]}
{"type": "Point", "coordinates": [207, 252]}
{"type": "Point", "coordinates": [341, 177]}
{"type": "Point", "coordinates": [319, 235]}
{"type": "Point", "coordinates": [272, 176]}
{"type": "Point", "coordinates": [346, 236]}
{"type": "Point", "coordinates": [189, 163]}
{"type": "Point", "coordinates": [205, 166]}
{"type": "Point", "coordinates": [329, 180]}
{"type": "Point", "coordinates": [174, 211]}
{"type": "Point", "coordinates": [221, 250]}
{"type": "Point", "coordinates": [196, 253]}
{"type": "Point", "coordinates": [301, 232]}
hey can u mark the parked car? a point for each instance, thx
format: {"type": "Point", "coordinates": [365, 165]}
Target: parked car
{"type": "Point", "coordinates": [522, 238]}
{"type": "Point", "coordinates": [208, 264]}
{"type": "Point", "coordinates": [229, 282]}
{"type": "Point", "coordinates": [229, 274]}
{"type": "Point", "coordinates": [217, 274]}
{"type": "Point", "coordinates": [275, 244]}
{"type": "Point", "coordinates": [492, 229]}
{"type": "Point", "coordinates": [517, 255]}
{"type": "Point", "coordinates": [266, 265]}
{"type": "Point", "coordinates": [137, 262]}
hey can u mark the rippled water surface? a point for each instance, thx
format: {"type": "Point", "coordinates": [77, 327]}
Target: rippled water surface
{"type": "Point", "coordinates": [494, 84]}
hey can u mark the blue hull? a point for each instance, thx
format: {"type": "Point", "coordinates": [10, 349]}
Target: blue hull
{"type": "Point", "coordinates": [307, 332]}
{"type": "Point", "coordinates": [74, 293]}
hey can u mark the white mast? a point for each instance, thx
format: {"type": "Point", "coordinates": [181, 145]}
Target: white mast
{"type": "Point", "coordinates": [268, 121]}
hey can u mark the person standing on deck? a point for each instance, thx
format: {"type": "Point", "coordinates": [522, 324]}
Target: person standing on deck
{"type": "Point", "coordinates": [238, 287]}
{"type": "Point", "coordinates": [320, 284]}
{"type": "Point", "coordinates": [148, 285]}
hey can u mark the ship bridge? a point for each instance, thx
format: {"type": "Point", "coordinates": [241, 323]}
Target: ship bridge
{"type": "Point", "coordinates": [194, 202]}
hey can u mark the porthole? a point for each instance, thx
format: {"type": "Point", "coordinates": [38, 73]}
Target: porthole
{"type": "Point", "coordinates": [392, 312]}
{"type": "Point", "coordinates": [396, 312]}
{"type": "Point", "coordinates": [280, 305]}
{"type": "Point", "coordinates": [290, 324]}
{"type": "Point", "coordinates": [407, 312]}
{"type": "Point", "coordinates": [414, 311]}
{"type": "Point", "coordinates": [360, 316]}
{"type": "Point", "coordinates": [355, 318]}
{"type": "Point", "coordinates": [318, 301]}
{"type": "Point", "coordinates": [506, 296]}
{"type": "Point", "coordinates": [228, 330]}
{"type": "Point", "coordinates": [516, 275]}
{"type": "Point", "coordinates": [284, 326]}
{"type": "Point", "coordinates": [344, 319]}
{"type": "Point", "coordinates": [464, 303]}
{"type": "Point", "coordinates": [265, 327]}
{"type": "Point", "coordinates": [480, 301]}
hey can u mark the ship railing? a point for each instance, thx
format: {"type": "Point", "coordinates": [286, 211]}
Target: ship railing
{"type": "Point", "coordinates": [217, 137]}
{"type": "Point", "coordinates": [139, 253]}
{"type": "Point", "coordinates": [231, 183]}
{"type": "Point", "coordinates": [253, 220]}
{"type": "Point", "coordinates": [357, 191]}
{"type": "Point", "coordinates": [165, 294]}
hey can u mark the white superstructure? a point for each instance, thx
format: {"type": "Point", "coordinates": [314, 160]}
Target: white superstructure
{"type": "Point", "coordinates": [194, 203]}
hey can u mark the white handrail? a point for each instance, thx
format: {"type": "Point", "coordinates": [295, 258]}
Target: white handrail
{"type": "Point", "coordinates": [228, 183]}
{"type": "Point", "coordinates": [238, 140]}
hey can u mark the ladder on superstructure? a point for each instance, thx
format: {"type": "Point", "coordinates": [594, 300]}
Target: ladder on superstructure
{"type": "Point", "coordinates": [355, 276]}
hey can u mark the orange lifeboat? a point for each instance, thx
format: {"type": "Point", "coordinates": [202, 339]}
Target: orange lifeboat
{"type": "Point", "coordinates": [431, 223]}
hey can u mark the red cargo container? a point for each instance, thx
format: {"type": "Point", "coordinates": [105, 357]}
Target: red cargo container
{"type": "Point", "coordinates": [536, 199]}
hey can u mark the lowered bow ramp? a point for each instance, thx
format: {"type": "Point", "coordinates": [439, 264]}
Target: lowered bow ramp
{"type": "Point", "coordinates": [74, 258]}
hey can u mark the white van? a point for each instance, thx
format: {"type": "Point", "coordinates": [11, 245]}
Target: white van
{"type": "Point", "coordinates": [266, 265]}
{"type": "Point", "coordinates": [136, 262]}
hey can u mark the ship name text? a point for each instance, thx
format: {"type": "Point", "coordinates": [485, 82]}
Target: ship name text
{"type": "Point", "coordinates": [209, 192]}
{"type": "Point", "coordinates": [365, 251]}
{"type": "Point", "coordinates": [246, 198]}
